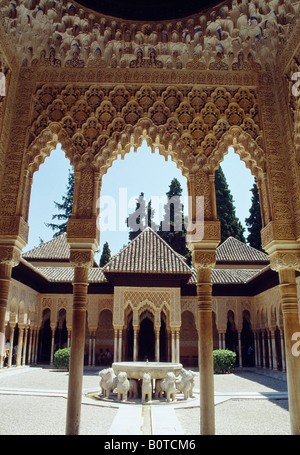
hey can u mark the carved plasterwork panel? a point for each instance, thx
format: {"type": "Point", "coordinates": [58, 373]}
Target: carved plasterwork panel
{"type": "Point", "coordinates": [98, 123]}
{"type": "Point", "coordinates": [154, 300]}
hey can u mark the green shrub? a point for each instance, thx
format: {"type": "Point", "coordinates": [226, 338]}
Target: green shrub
{"type": "Point", "coordinates": [224, 360]}
{"type": "Point", "coordinates": [62, 358]}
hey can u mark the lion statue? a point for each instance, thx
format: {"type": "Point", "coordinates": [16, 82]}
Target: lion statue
{"type": "Point", "coordinates": [168, 386]}
{"type": "Point", "coordinates": [122, 386]}
{"type": "Point", "coordinates": [146, 387]}
{"type": "Point", "coordinates": [108, 381]}
{"type": "Point", "coordinates": [185, 383]}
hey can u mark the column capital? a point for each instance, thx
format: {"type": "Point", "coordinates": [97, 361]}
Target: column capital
{"type": "Point", "coordinates": [81, 257]}
{"type": "Point", "coordinates": [10, 255]}
{"type": "Point", "coordinates": [204, 259]}
{"type": "Point", "coordinates": [281, 259]}
{"type": "Point", "coordinates": [118, 328]}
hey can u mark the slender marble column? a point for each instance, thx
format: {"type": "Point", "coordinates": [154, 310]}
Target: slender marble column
{"type": "Point", "coordinates": [36, 345]}
{"type": "Point", "coordinates": [207, 405]}
{"type": "Point", "coordinates": [240, 350]}
{"type": "Point", "coordinates": [291, 325]}
{"type": "Point", "coordinates": [25, 346]}
{"type": "Point", "coordinates": [120, 346]}
{"type": "Point", "coordinates": [116, 346]}
{"type": "Point", "coordinates": [135, 347]}
{"type": "Point", "coordinates": [274, 352]}
{"type": "Point", "coordinates": [90, 350]}
{"type": "Point", "coordinates": [282, 350]}
{"type": "Point", "coordinates": [80, 286]}
{"type": "Point", "coordinates": [52, 344]}
{"type": "Point", "coordinates": [157, 332]}
{"type": "Point", "coordinates": [270, 350]}
{"type": "Point", "coordinates": [20, 345]}
{"type": "Point", "coordinates": [94, 348]}
{"type": "Point", "coordinates": [255, 349]}
{"type": "Point", "coordinates": [29, 345]}
{"type": "Point", "coordinates": [5, 276]}
{"type": "Point", "coordinates": [264, 365]}
{"type": "Point", "coordinates": [177, 346]}
{"type": "Point", "coordinates": [11, 342]}
{"type": "Point", "coordinates": [173, 347]}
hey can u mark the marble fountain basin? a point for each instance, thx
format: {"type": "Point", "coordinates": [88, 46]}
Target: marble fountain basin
{"type": "Point", "coordinates": [136, 370]}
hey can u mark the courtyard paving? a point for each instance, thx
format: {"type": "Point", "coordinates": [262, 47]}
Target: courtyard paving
{"type": "Point", "coordinates": [33, 401]}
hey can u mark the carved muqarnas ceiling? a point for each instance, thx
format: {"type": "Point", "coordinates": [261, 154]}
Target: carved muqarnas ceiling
{"type": "Point", "coordinates": [241, 36]}
{"type": "Point", "coordinates": [148, 10]}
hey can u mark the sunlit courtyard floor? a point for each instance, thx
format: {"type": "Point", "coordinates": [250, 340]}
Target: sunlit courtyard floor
{"type": "Point", "coordinates": [33, 401]}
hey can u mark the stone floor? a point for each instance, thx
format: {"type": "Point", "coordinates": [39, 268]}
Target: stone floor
{"type": "Point", "coordinates": [247, 402]}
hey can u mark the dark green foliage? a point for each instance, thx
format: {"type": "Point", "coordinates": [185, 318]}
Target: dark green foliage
{"type": "Point", "coordinates": [141, 218]}
{"type": "Point", "coordinates": [224, 360]}
{"type": "Point", "coordinates": [62, 358]}
{"type": "Point", "coordinates": [172, 228]}
{"type": "Point", "coordinates": [230, 224]}
{"type": "Point", "coordinates": [65, 207]}
{"type": "Point", "coordinates": [254, 222]}
{"type": "Point", "coordinates": [106, 255]}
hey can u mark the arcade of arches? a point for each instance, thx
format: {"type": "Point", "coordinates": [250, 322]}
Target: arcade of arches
{"type": "Point", "coordinates": [100, 85]}
{"type": "Point", "coordinates": [39, 319]}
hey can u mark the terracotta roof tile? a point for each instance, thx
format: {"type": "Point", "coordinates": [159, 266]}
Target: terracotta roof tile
{"type": "Point", "coordinates": [66, 274]}
{"type": "Point", "coordinates": [228, 276]}
{"type": "Point", "coordinates": [56, 249]}
{"type": "Point", "coordinates": [234, 251]}
{"type": "Point", "coordinates": [148, 253]}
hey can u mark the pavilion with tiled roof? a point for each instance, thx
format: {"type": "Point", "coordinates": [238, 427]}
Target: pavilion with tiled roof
{"type": "Point", "coordinates": [148, 253]}
{"type": "Point", "coordinates": [147, 288]}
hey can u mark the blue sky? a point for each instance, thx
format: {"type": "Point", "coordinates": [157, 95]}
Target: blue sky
{"type": "Point", "coordinates": [140, 171]}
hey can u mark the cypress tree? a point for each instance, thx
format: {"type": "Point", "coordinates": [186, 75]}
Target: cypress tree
{"type": "Point", "coordinates": [141, 218]}
{"type": "Point", "coordinates": [65, 207]}
{"type": "Point", "coordinates": [105, 256]}
{"type": "Point", "coordinates": [254, 222]}
{"type": "Point", "coordinates": [230, 224]}
{"type": "Point", "coordinates": [172, 228]}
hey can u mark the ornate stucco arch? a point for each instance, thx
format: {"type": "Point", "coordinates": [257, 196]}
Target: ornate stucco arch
{"type": "Point", "coordinates": [98, 85]}
{"type": "Point", "coordinates": [147, 305]}
{"type": "Point", "coordinates": [43, 145]}
{"type": "Point", "coordinates": [185, 123]}
{"type": "Point", "coordinates": [252, 154]}
{"type": "Point", "coordinates": [245, 146]}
